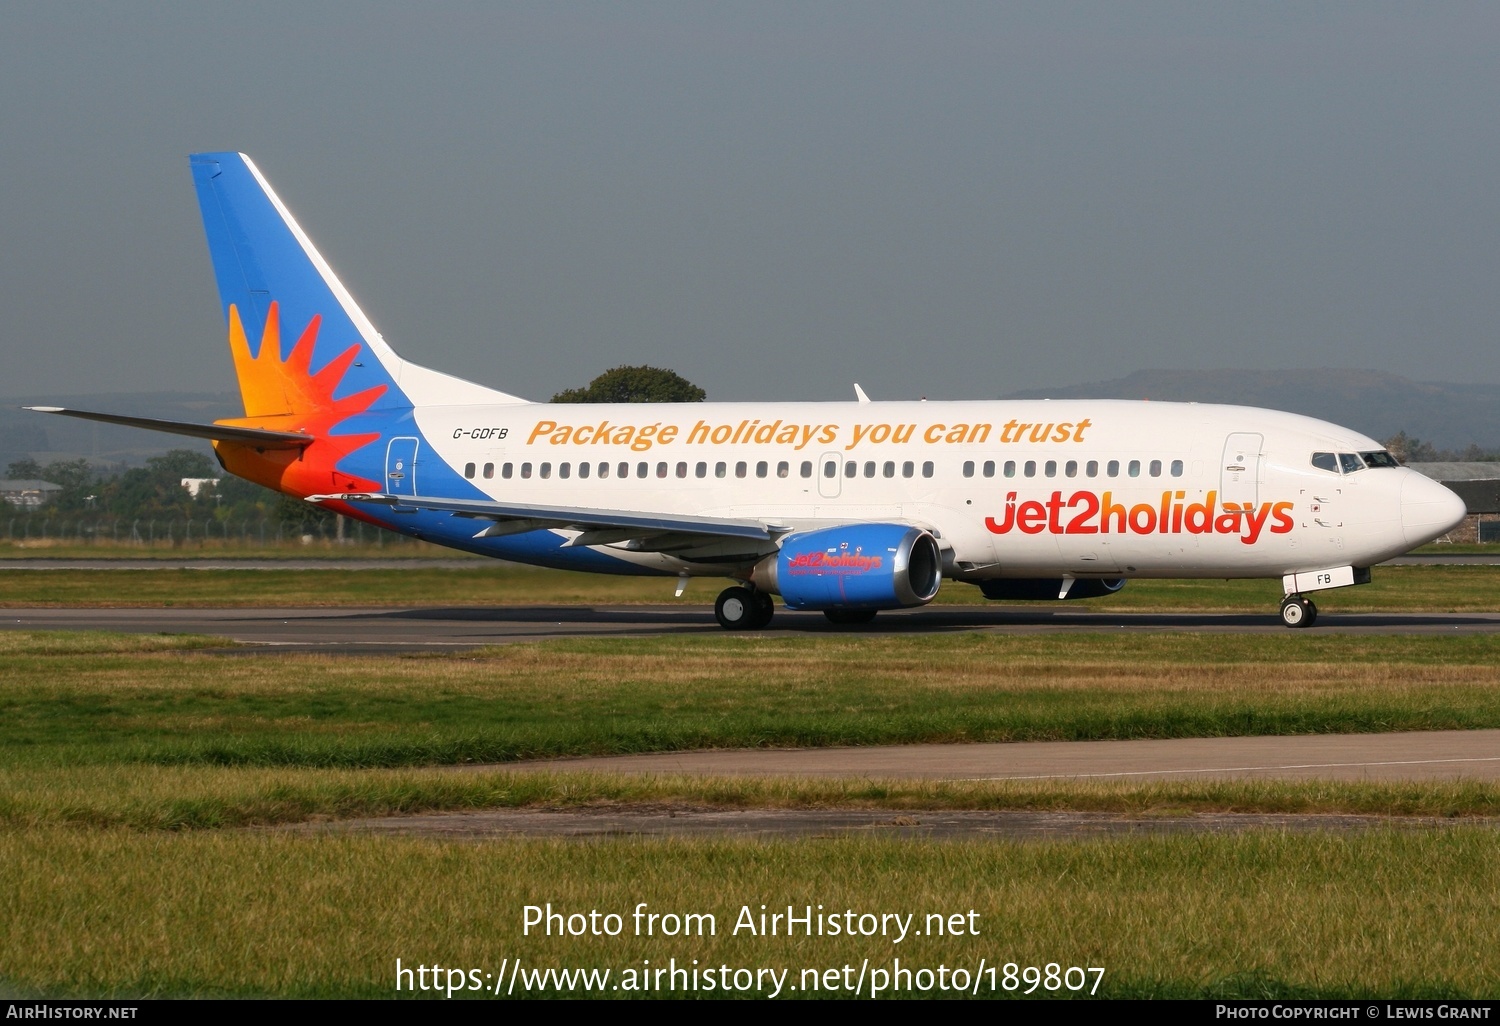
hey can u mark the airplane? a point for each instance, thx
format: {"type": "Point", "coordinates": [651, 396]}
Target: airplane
{"type": "Point", "coordinates": [847, 508]}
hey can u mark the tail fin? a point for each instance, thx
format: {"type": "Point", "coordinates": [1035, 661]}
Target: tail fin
{"type": "Point", "coordinates": [272, 279]}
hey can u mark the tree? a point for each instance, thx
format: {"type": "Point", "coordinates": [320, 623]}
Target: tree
{"type": "Point", "coordinates": [1408, 449]}
{"type": "Point", "coordinates": [25, 470]}
{"type": "Point", "coordinates": [635, 385]}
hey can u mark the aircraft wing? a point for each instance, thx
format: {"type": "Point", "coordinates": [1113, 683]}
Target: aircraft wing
{"type": "Point", "coordinates": [658, 532]}
{"type": "Point", "coordinates": [258, 437]}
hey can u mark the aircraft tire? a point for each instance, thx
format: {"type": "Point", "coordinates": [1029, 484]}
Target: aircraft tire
{"type": "Point", "coordinates": [764, 610]}
{"type": "Point", "coordinates": [845, 617]}
{"type": "Point", "coordinates": [1297, 611]}
{"type": "Point", "coordinates": [736, 609]}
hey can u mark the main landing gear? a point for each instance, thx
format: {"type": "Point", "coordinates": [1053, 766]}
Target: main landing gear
{"type": "Point", "coordinates": [743, 609]}
{"type": "Point", "coordinates": [1297, 611]}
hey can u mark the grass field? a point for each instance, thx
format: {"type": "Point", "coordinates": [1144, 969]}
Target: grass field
{"type": "Point", "coordinates": [1271, 914]}
{"type": "Point", "coordinates": [91, 699]}
{"type": "Point", "coordinates": [1394, 589]}
{"type": "Point", "coordinates": [142, 778]}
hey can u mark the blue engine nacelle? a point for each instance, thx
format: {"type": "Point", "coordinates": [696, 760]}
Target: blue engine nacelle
{"type": "Point", "coordinates": [855, 566]}
{"type": "Point", "coordinates": [1047, 588]}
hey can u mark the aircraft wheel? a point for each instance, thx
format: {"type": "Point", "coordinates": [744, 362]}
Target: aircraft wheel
{"type": "Point", "coordinates": [764, 610]}
{"type": "Point", "coordinates": [1297, 611]}
{"type": "Point", "coordinates": [849, 616]}
{"type": "Point", "coordinates": [736, 609]}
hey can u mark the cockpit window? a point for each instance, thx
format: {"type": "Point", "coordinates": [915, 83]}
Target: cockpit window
{"type": "Point", "coordinates": [1326, 461]}
{"type": "Point", "coordinates": [1379, 459]}
{"type": "Point", "coordinates": [1350, 462]}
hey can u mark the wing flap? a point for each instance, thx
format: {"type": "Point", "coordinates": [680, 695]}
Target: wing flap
{"type": "Point", "coordinates": [618, 525]}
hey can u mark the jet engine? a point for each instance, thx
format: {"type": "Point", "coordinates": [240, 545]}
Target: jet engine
{"type": "Point", "coordinates": [854, 566]}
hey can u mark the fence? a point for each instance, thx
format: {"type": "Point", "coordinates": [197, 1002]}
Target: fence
{"type": "Point", "coordinates": [208, 531]}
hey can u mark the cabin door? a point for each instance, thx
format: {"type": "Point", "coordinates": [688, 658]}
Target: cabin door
{"type": "Point", "coordinates": [830, 474]}
{"type": "Point", "coordinates": [401, 467]}
{"type": "Point", "coordinates": [1239, 475]}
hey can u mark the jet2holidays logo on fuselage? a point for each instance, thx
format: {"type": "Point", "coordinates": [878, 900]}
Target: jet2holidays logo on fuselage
{"type": "Point", "coordinates": [1086, 512]}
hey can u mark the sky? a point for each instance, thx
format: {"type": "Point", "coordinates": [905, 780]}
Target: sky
{"type": "Point", "coordinates": [774, 199]}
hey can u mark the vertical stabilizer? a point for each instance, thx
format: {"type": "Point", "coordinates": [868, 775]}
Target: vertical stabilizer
{"type": "Point", "coordinates": [277, 289]}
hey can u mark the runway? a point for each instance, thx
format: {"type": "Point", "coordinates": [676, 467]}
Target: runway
{"type": "Point", "coordinates": [374, 629]}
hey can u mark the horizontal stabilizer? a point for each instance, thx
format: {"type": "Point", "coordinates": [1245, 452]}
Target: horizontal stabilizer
{"type": "Point", "coordinates": [258, 437]}
{"type": "Point", "coordinates": [567, 517]}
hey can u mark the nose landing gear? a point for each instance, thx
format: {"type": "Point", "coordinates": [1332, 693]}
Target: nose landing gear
{"type": "Point", "coordinates": [1297, 611]}
{"type": "Point", "coordinates": [743, 609]}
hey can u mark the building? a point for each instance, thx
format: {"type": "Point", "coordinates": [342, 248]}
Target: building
{"type": "Point", "coordinates": [28, 494]}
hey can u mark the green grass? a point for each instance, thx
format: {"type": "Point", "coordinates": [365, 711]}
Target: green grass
{"type": "Point", "coordinates": [179, 798]}
{"type": "Point", "coordinates": [183, 707]}
{"type": "Point", "coordinates": [143, 778]}
{"type": "Point", "coordinates": [107, 912]}
{"type": "Point", "coordinates": [1394, 589]}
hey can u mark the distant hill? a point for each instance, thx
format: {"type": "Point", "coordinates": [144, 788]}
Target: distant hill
{"type": "Point", "coordinates": [46, 438]}
{"type": "Point", "coordinates": [1450, 416]}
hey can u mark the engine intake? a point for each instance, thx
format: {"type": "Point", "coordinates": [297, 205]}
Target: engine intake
{"type": "Point", "coordinates": [854, 566]}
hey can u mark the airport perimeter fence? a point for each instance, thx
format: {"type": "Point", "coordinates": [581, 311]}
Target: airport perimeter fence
{"type": "Point", "coordinates": [187, 533]}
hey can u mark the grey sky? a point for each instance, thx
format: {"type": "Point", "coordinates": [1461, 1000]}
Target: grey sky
{"type": "Point", "coordinates": [775, 200]}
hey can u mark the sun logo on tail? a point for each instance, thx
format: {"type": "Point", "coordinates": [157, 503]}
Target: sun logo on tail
{"type": "Point", "coordinates": [287, 395]}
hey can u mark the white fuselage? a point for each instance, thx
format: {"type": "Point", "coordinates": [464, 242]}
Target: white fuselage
{"type": "Point", "coordinates": [1096, 488]}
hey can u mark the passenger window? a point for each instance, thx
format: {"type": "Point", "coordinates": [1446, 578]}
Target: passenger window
{"type": "Point", "coordinates": [545, 470]}
{"type": "Point", "coordinates": [526, 470]}
{"type": "Point", "coordinates": [783, 469]}
{"type": "Point", "coordinates": [489, 471]}
{"type": "Point", "coordinates": [642, 469]}
{"type": "Point", "coordinates": [762, 469]}
{"type": "Point", "coordinates": [661, 470]}
{"type": "Point", "coordinates": [505, 471]}
{"type": "Point", "coordinates": [1071, 469]}
{"type": "Point", "coordinates": [1176, 468]}
{"type": "Point", "coordinates": [583, 470]}
{"type": "Point", "coordinates": [1092, 468]}
{"type": "Point", "coordinates": [1351, 463]}
{"type": "Point", "coordinates": [908, 468]}
{"type": "Point", "coordinates": [927, 468]}
{"type": "Point", "coordinates": [701, 470]}
{"type": "Point", "coordinates": [1113, 470]}
{"type": "Point", "coordinates": [1031, 468]}
{"type": "Point", "coordinates": [623, 470]}
{"type": "Point", "coordinates": [741, 469]}
{"type": "Point", "coordinates": [1156, 468]}
{"type": "Point", "coordinates": [604, 470]}
{"type": "Point", "coordinates": [851, 469]}
{"type": "Point", "coordinates": [968, 468]}
{"type": "Point", "coordinates": [807, 468]}
{"type": "Point", "coordinates": [889, 470]}
{"type": "Point", "coordinates": [1135, 468]}
{"type": "Point", "coordinates": [564, 469]}
{"type": "Point", "coordinates": [830, 469]}
{"type": "Point", "coordinates": [1010, 468]}
{"type": "Point", "coordinates": [720, 469]}
{"type": "Point", "coordinates": [1051, 468]}
{"type": "Point", "coordinates": [468, 470]}
{"type": "Point", "coordinates": [989, 468]}
{"type": "Point", "coordinates": [870, 469]}
{"type": "Point", "coordinates": [1326, 461]}
{"type": "Point", "coordinates": [682, 470]}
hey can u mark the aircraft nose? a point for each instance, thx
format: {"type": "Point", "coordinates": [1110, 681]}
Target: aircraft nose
{"type": "Point", "coordinates": [1428, 510]}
